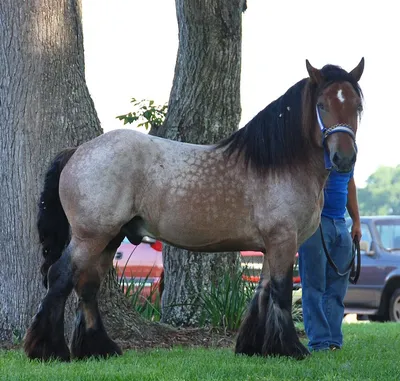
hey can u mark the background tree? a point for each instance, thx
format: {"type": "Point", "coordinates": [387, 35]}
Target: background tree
{"type": "Point", "coordinates": [45, 106]}
{"type": "Point", "coordinates": [204, 107]}
{"type": "Point", "coordinates": [381, 195]}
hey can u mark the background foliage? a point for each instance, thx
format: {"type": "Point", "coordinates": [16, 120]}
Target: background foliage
{"type": "Point", "coordinates": [381, 196]}
{"type": "Point", "coordinates": [146, 113]}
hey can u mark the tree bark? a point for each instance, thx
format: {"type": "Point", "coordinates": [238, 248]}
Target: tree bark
{"type": "Point", "coordinates": [204, 107]}
{"type": "Point", "coordinates": [45, 106]}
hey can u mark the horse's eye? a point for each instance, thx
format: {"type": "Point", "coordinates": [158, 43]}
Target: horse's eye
{"type": "Point", "coordinates": [321, 106]}
{"type": "Point", "coordinates": [359, 108]}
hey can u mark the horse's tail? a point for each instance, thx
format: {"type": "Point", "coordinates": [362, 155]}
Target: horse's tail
{"type": "Point", "coordinates": [52, 223]}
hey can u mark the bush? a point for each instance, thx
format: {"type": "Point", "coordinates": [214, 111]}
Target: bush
{"type": "Point", "coordinates": [226, 302]}
{"type": "Point", "coordinates": [147, 306]}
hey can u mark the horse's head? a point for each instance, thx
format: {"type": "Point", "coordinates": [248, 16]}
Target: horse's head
{"type": "Point", "coordinates": [338, 103]}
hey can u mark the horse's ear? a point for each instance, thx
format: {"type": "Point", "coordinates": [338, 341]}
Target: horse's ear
{"type": "Point", "coordinates": [315, 74]}
{"type": "Point", "coordinates": [356, 73]}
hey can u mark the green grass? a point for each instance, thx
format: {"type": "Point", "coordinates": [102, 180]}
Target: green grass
{"type": "Point", "coordinates": [371, 352]}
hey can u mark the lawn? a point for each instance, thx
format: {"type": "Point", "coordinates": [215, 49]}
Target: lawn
{"type": "Point", "coordinates": [371, 352]}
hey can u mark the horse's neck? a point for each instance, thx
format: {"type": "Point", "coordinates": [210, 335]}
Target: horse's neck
{"type": "Point", "coordinates": [317, 164]}
{"type": "Point", "coordinates": [311, 182]}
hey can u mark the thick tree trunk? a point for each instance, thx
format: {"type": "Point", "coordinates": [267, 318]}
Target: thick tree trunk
{"type": "Point", "coordinates": [45, 106]}
{"type": "Point", "coordinates": [204, 107]}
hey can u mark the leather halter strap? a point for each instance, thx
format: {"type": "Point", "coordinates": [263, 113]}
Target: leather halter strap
{"type": "Point", "coordinates": [326, 131]}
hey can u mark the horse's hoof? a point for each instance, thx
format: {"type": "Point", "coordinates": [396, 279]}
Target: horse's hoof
{"type": "Point", "coordinates": [93, 343]}
{"type": "Point", "coordinates": [247, 348]}
{"type": "Point", "coordinates": [101, 353]}
{"type": "Point", "coordinates": [247, 351]}
{"type": "Point", "coordinates": [39, 348]}
{"type": "Point", "coordinates": [297, 351]}
{"type": "Point", "coordinates": [40, 344]}
{"type": "Point", "coordinates": [104, 352]}
{"type": "Point", "coordinates": [300, 352]}
{"type": "Point", "coordinates": [44, 352]}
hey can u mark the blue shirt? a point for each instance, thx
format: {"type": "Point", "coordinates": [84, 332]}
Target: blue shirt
{"type": "Point", "coordinates": [335, 194]}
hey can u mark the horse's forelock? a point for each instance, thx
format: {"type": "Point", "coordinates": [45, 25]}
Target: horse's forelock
{"type": "Point", "coordinates": [332, 74]}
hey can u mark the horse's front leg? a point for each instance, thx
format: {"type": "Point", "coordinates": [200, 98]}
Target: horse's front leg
{"type": "Point", "coordinates": [268, 328]}
{"type": "Point", "coordinates": [252, 330]}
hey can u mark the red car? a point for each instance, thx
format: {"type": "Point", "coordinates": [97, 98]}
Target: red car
{"type": "Point", "coordinates": [143, 265]}
{"type": "Point", "coordinates": [251, 262]}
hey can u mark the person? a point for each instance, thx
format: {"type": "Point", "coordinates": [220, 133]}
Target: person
{"type": "Point", "coordinates": [323, 290]}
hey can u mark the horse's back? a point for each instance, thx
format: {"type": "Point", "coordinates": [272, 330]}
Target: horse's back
{"type": "Point", "coordinates": [123, 173]}
{"type": "Point", "coordinates": [95, 183]}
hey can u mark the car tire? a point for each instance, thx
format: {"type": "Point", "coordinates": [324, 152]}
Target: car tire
{"type": "Point", "coordinates": [376, 318]}
{"type": "Point", "coordinates": [394, 306]}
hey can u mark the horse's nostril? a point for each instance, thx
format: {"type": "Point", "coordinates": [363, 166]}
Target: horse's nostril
{"type": "Point", "coordinates": [336, 158]}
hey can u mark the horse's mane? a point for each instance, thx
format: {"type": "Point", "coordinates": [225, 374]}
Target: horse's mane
{"type": "Point", "coordinates": [280, 136]}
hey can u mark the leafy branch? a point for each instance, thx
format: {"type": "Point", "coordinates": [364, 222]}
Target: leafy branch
{"type": "Point", "coordinates": [146, 112]}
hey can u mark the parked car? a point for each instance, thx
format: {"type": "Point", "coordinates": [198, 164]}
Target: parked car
{"type": "Point", "coordinates": [141, 266]}
{"type": "Point", "coordinates": [377, 292]}
{"type": "Point", "coordinates": [251, 262]}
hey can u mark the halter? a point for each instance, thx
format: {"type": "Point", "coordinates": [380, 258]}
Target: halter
{"type": "Point", "coordinates": [340, 127]}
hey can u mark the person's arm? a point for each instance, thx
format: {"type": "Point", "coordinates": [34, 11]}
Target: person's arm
{"type": "Point", "coordinates": [352, 208]}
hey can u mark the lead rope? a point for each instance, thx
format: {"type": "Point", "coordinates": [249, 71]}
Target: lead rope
{"type": "Point", "coordinates": [354, 268]}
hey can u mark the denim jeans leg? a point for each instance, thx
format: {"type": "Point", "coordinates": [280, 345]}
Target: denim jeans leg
{"type": "Point", "coordinates": [312, 268]}
{"type": "Point", "coordinates": [336, 286]}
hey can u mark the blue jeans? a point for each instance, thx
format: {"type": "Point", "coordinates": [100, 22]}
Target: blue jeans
{"type": "Point", "coordinates": [323, 290]}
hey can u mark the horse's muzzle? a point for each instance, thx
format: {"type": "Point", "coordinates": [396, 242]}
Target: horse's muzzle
{"type": "Point", "coordinates": [343, 163]}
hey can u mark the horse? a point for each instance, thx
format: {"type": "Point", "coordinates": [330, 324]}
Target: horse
{"type": "Point", "coordinates": [259, 189]}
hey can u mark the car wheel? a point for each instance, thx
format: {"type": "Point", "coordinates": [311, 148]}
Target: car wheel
{"type": "Point", "coordinates": [376, 318]}
{"type": "Point", "coordinates": [394, 306]}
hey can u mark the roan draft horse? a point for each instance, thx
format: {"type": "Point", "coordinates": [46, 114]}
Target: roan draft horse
{"type": "Point", "coordinates": [259, 189]}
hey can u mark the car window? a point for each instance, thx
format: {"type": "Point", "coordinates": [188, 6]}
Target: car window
{"type": "Point", "coordinates": [389, 232]}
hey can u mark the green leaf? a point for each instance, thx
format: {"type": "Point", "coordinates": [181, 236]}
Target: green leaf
{"type": "Point", "coordinates": [146, 112]}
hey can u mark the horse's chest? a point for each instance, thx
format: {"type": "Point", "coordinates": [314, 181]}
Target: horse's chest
{"type": "Point", "coordinates": [312, 217]}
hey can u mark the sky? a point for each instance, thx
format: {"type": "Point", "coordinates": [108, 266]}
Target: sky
{"type": "Point", "coordinates": [131, 46]}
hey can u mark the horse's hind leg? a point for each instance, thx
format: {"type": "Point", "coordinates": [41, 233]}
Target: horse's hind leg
{"type": "Point", "coordinates": [270, 329]}
{"type": "Point", "coordinates": [89, 338]}
{"type": "Point", "coordinates": [44, 338]}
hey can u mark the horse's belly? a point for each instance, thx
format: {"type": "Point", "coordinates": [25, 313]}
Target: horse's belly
{"type": "Point", "coordinates": [209, 237]}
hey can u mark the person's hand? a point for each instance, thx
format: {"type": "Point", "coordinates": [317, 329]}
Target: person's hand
{"type": "Point", "coordinates": [356, 231]}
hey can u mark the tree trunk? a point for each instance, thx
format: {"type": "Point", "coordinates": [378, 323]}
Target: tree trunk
{"type": "Point", "coordinates": [45, 106]}
{"type": "Point", "coordinates": [204, 107]}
